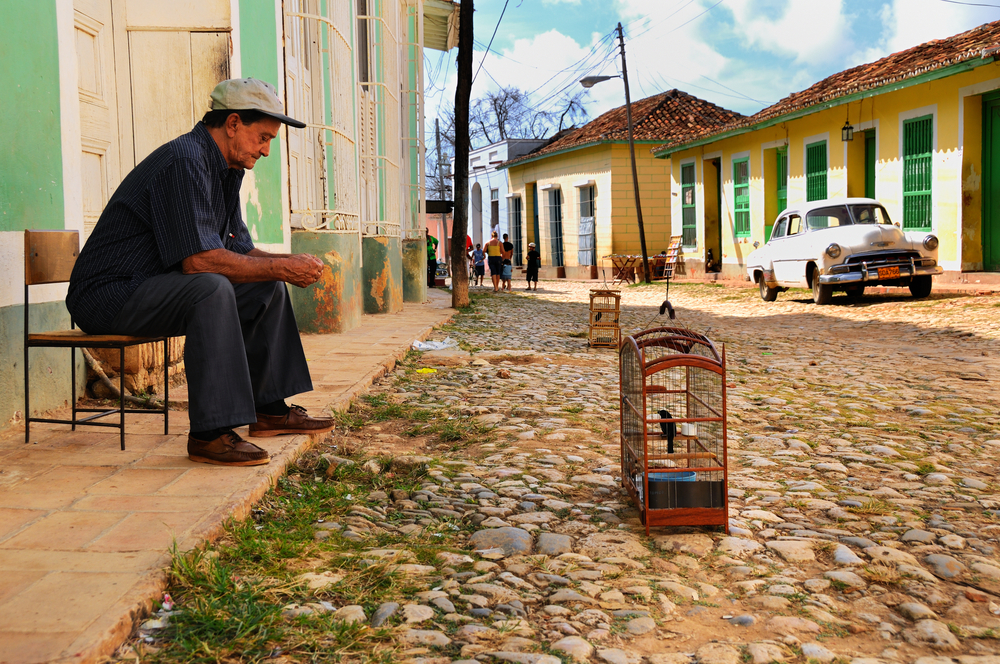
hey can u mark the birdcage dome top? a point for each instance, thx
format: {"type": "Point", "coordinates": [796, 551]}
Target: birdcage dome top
{"type": "Point", "coordinates": [662, 342]}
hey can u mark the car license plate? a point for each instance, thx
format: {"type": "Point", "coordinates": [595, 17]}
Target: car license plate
{"type": "Point", "coordinates": [888, 273]}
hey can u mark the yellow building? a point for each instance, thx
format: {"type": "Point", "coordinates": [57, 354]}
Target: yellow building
{"type": "Point", "coordinates": [574, 198]}
{"type": "Point", "coordinates": [919, 130]}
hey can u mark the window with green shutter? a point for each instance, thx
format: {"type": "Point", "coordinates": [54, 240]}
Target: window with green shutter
{"type": "Point", "coordinates": [918, 146]}
{"type": "Point", "coordinates": [782, 179]}
{"type": "Point", "coordinates": [689, 226]}
{"type": "Point", "coordinates": [741, 196]}
{"type": "Point", "coordinates": [816, 171]}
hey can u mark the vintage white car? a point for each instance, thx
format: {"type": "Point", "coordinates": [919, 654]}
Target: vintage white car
{"type": "Point", "coordinates": [842, 244]}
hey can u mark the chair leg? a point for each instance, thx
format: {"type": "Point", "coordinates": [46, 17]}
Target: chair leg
{"type": "Point", "coordinates": [166, 389]}
{"type": "Point", "coordinates": [72, 381]}
{"type": "Point", "coordinates": [27, 401]}
{"type": "Point", "coordinates": [121, 391]}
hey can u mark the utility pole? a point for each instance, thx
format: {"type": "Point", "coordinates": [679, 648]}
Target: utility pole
{"type": "Point", "coordinates": [460, 223]}
{"type": "Point", "coordinates": [444, 214]}
{"type": "Point", "coordinates": [631, 150]}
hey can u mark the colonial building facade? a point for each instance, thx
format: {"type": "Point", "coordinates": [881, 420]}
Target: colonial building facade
{"type": "Point", "coordinates": [96, 85]}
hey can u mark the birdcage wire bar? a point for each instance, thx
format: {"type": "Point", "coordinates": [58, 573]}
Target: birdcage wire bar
{"type": "Point", "coordinates": [673, 428]}
{"type": "Point", "coordinates": [605, 310]}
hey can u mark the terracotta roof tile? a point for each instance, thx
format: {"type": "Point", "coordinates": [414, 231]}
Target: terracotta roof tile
{"type": "Point", "coordinates": [658, 118]}
{"type": "Point", "coordinates": [978, 43]}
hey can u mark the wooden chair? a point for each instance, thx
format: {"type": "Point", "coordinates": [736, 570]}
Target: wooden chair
{"type": "Point", "coordinates": [49, 257]}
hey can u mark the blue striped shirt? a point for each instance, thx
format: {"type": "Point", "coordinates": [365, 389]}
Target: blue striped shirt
{"type": "Point", "coordinates": [181, 200]}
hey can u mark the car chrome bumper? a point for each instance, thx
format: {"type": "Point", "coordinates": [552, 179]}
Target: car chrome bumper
{"type": "Point", "coordinates": [866, 273]}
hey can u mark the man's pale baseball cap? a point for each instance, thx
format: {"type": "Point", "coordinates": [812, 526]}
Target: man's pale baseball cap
{"type": "Point", "coordinates": [250, 94]}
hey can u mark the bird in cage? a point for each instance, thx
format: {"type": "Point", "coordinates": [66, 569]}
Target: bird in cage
{"type": "Point", "coordinates": [668, 429]}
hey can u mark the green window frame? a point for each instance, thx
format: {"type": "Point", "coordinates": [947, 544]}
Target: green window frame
{"type": "Point", "coordinates": [918, 158]}
{"type": "Point", "coordinates": [741, 196]}
{"type": "Point", "coordinates": [782, 178]}
{"type": "Point", "coordinates": [689, 221]}
{"type": "Point", "coordinates": [816, 171]}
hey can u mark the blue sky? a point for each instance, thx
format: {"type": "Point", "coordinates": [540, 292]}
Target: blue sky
{"type": "Point", "coordinates": [740, 54]}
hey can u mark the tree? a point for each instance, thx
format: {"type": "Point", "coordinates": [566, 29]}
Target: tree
{"type": "Point", "coordinates": [510, 113]}
{"type": "Point", "coordinates": [499, 114]}
{"type": "Point", "coordinates": [460, 225]}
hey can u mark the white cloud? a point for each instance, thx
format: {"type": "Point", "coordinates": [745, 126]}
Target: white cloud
{"type": "Point", "coordinates": [811, 32]}
{"type": "Point", "coordinates": [912, 22]}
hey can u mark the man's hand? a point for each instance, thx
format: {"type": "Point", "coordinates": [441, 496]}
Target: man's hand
{"type": "Point", "coordinates": [304, 269]}
{"type": "Point", "coordinates": [297, 269]}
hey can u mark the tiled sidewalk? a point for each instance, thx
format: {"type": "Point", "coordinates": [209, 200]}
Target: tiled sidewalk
{"type": "Point", "coordinates": [85, 528]}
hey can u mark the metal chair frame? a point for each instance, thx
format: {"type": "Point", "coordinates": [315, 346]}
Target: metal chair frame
{"type": "Point", "coordinates": [49, 257]}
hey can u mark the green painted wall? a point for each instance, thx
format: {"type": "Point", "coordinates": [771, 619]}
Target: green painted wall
{"type": "Point", "coordinates": [334, 303]}
{"type": "Point", "coordinates": [382, 274]}
{"type": "Point", "coordinates": [50, 374]}
{"type": "Point", "coordinates": [31, 182]}
{"type": "Point", "coordinates": [259, 52]}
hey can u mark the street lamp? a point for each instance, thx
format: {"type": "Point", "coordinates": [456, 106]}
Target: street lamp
{"type": "Point", "coordinates": [589, 81]}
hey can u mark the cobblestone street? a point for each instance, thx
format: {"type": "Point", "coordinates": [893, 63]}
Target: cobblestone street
{"type": "Point", "coordinates": [863, 442]}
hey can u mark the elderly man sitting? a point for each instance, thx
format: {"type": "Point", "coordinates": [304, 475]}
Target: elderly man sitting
{"type": "Point", "coordinates": [172, 256]}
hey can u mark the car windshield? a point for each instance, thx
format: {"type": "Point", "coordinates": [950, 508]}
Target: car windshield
{"type": "Point", "coordinates": [828, 217]}
{"type": "Point", "coordinates": [844, 215]}
{"type": "Point", "coordinates": [869, 214]}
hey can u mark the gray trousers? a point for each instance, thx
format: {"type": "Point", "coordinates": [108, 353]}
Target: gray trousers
{"type": "Point", "coordinates": [242, 346]}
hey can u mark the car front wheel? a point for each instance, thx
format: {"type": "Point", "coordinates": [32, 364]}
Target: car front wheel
{"type": "Point", "coordinates": [822, 293]}
{"type": "Point", "coordinates": [767, 293]}
{"type": "Point", "coordinates": [921, 286]}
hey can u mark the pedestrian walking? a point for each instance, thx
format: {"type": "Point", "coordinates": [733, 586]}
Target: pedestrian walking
{"type": "Point", "coordinates": [507, 267]}
{"type": "Point", "coordinates": [432, 261]}
{"type": "Point", "coordinates": [478, 262]}
{"type": "Point", "coordinates": [494, 251]}
{"type": "Point", "coordinates": [534, 261]}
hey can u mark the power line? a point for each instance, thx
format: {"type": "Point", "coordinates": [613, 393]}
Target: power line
{"type": "Point", "coordinates": [491, 41]}
{"type": "Point", "coordinates": [969, 4]}
{"type": "Point", "coordinates": [766, 103]}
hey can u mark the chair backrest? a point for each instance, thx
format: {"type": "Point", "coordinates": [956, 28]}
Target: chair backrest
{"type": "Point", "coordinates": [49, 256]}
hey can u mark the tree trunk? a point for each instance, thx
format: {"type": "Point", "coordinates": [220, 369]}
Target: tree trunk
{"type": "Point", "coordinates": [460, 225]}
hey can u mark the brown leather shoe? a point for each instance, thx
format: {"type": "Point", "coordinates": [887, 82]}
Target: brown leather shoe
{"type": "Point", "coordinates": [295, 421]}
{"type": "Point", "coordinates": [226, 450]}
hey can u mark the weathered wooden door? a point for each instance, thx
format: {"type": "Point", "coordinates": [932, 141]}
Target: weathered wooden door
{"type": "Point", "coordinates": [100, 162]}
{"type": "Point", "coordinates": [991, 182]}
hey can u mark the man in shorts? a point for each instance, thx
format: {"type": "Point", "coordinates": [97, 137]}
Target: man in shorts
{"type": "Point", "coordinates": [507, 265]}
{"type": "Point", "coordinates": [479, 264]}
{"type": "Point", "coordinates": [494, 256]}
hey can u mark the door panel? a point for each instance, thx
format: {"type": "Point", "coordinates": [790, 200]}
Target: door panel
{"type": "Point", "coordinates": [991, 183]}
{"type": "Point", "coordinates": [161, 88]}
{"type": "Point", "coordinates": [97, 89]}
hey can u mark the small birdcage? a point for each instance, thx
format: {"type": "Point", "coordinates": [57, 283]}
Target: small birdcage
{"type": "Point", "coordinates": [673, 427]}
{"type": "Point", "coordinates": [605, 306]}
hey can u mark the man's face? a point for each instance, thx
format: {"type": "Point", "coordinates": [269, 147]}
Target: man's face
{"type": "Point", "coordinates": [248, 143]}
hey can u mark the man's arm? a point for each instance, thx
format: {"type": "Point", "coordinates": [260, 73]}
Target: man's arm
{"type": "Point", "coordinates": [297, 269]}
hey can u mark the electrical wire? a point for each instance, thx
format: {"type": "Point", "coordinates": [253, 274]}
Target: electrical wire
{"type": "Point", "coordinates": [969, 4]}
{"type": "Point", "coordinates": [491, 41]}
{"type": "Point", "coordinates": [765, 103]}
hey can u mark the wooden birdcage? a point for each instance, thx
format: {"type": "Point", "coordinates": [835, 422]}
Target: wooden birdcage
{"type": "Point", "coordinates": [605, 307]}
{"type": "Point", "coordinates": [673, 428]}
